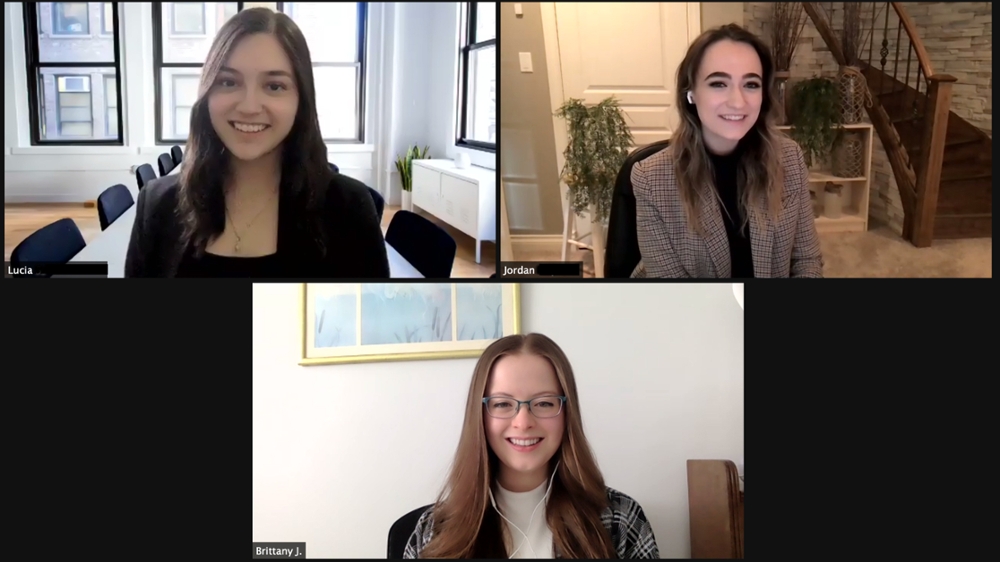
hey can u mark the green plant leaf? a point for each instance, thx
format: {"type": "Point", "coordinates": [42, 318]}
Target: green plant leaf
{"type": "Point", "coordinates": [814, 114]}
{"type": "Point", "coordinates": [599, 143]}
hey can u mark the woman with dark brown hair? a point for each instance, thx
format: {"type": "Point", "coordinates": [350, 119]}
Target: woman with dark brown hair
{"type": "Point", "coordinates": [524, 483]}
{"type": "Point", "coordinates": [256, 196]}
{"type": "Point", "coordinates": [729, 197]}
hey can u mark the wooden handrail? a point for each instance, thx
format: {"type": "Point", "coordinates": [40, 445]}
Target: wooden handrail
{"type": "Point", "coordinates": [911, 31]}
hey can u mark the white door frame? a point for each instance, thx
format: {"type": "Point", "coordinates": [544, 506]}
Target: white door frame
{"type": "Point", "coordinates": [556, 97]}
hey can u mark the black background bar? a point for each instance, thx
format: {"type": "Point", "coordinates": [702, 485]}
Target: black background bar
{"type": "Point", "coordinates": [537, 270]}
{"type": "Point", "coordinates": [72, 269]}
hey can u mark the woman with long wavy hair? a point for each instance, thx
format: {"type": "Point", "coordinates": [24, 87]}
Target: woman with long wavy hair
{"type": "Point", "coordinates": [524, 483]}
{"type": "Point", "coordinates": [256, 196]}
{"type": "Point", "coordinates": [729, 196]}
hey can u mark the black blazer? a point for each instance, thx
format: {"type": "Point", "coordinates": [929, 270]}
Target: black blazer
{"type": "Point", "coordinates": [355, 245]}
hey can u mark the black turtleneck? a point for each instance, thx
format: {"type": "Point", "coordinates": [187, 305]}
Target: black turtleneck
{"type": "Point", "coordinates": [726, 183]}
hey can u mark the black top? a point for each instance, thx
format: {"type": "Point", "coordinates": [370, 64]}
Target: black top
{"type": "Point", "coordinates": [726, 182]}
{"type": "Point", "coordinates": [355, 247]}
{"type": "Point", "coordinates": [212, 265]}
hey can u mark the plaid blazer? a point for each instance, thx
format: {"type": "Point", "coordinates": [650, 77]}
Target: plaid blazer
{"type": "Point", "coordinates": [788, 247]}
{"type": "Point", "coordinates": [631, 533]}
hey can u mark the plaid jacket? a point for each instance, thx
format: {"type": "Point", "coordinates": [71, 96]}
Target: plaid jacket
{"type": "Point", "coordinates": [788, 247]}
{"type": "Point", "coordinates": [630, 531]}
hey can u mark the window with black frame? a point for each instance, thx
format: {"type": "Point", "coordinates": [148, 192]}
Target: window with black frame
{"type": "Point", "coordinates": [477, 119]}
{"type": "Point", "coordinates": [72, 57]}
{"type": "Point", "coordinates": [182, 36]}
{"type": "Point", "coordinates": [336, 34]}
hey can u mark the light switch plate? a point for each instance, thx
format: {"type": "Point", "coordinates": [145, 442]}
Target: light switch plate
{"type": "Point", "coordinates": [518, 11]}
{"type": "Point", "coordinates": [525, 62]}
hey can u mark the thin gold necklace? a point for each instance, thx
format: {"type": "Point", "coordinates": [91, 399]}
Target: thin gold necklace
{"type": "Point", "coordinates": [239, 238]}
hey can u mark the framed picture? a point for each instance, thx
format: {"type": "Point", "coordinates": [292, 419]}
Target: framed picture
{"type": "Point", "coordinates": [361, 322]}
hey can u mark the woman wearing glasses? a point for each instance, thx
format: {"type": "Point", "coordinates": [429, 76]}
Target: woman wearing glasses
{"type": "Point", "coordinates": [524, 483]}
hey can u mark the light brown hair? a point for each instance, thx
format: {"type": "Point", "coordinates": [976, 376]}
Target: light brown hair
{"type": "Point", "coordinates": [760, 176]}
{"type": "Point", "coordinates": [466, 525]}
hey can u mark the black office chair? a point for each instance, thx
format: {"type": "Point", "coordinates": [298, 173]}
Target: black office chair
{"type": "Point", "coordinates": [176, 155]}
{"type": "Point", "coordinates": [379, 202]}
{"type": "Point", "coordinates": [400, 532]}
{"type": "Point", "coordinates": [54, 243]}
{"type": "Point", "coordinates": [622, 248]}
{"type": "Point", "coordinates": [144, 174]}
{"type": "Point", "coordinates": [427, 246]}
{"type": "Point", "coordinates": [334, 167]}
{"type": "Point", "coordinates": [111, 203]}
{"type": "Point", "coordinates": [166, 163]}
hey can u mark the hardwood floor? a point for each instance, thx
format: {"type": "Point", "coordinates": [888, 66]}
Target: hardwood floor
{"type": "Point", "coordinates": [20, 220]}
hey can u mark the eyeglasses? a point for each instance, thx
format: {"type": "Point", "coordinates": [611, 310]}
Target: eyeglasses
{"type": "Point", "coordinates": [541, 407]}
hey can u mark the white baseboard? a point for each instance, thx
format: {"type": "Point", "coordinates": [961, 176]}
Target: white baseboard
{"type": "Point", "coordinates": [535, 242]}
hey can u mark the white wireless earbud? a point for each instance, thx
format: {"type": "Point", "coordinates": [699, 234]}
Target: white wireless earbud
{"type": "Point", "coordinates": [690, 97]}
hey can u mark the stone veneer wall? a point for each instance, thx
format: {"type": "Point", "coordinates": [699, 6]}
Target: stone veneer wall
{"type": "Point", "coordinates": [959, 39]}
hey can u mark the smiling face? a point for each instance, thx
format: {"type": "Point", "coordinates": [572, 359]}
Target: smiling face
{"type": "Point", "coordinates": [524, 376]}
{"type": "Point", "coordinates": [254, 99]}
{"type": "Point", "coordinates": [728, 93]}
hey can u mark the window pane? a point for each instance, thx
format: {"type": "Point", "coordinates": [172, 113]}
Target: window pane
{"type": "Point", "coordinates": [180, 90]}
{"type": "Point", "coordinates": [482, 124]}
{"type": "Point", "coordinates": [110, 94]}
{"type": "Point", "coordinates": [74, 83]}
{"type": "Point", "coordinates": [55, 46]}
{"type": "Point", "coordinates": [331, 30]}
{"type": "Point", "coordinates": [69, 96]}
{"type": "Point", "coordinates": [112, 120]}
{"type": "Point", "coordinates": [182, 122]}
{"type": "Point", "coordinates": [109, 22]}
{"type": "Point", "coordinates": [77, 131]}
{"type": "Point", "coordinates": [188, 18]}
{"type": "Point", "coordinates": [70, 18]}
{"type": "Point", "coordinates": [192, 48]}
{"type": "Point", "coordinates": [486, 21]}
{"type": "Point", "coordinates": [336, 98]}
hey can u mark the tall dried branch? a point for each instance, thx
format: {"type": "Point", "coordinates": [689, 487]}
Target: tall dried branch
{"type": "Point", "coordinates": [852, 33]}
{"type": "Point", "coordinates": [787, 21]}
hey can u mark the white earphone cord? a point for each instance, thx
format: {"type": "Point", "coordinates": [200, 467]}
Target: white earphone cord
{"type": "Point", "coordinates": [530, 519]}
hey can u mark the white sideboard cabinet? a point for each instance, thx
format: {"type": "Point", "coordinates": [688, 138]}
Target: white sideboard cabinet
{"type": "Point", "coordinates": [464, 198]}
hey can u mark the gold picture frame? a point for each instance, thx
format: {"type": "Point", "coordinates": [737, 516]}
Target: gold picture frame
{"type": "Point", "coordinates": [338, 299]}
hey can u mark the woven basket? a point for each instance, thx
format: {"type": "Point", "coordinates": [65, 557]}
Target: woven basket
{"type": "Point", "coordinates": [851, 84]}
{"type": "Point", "coordinates": [849, 155]}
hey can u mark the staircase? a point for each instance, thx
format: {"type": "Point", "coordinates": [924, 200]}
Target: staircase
{"type": "Point", "coordinates": [943, 165]}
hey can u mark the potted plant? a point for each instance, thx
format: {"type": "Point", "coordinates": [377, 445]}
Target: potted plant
{"type": "Point", "coordinates": [815, 117]}
{"type": "Point", "coordinates": [404, 165]}
{"type": "Point", "coordinates": [787, 21]}
{"type": "Point", "coordinates": [599, 143]}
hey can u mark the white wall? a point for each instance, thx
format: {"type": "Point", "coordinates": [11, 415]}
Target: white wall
{"type": "Point", "coordinates": [340, 452]}
{"type": "Point", "coordinates": [409, 96]}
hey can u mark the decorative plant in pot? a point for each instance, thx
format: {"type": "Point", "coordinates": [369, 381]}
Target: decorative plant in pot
{"type": "Point", "coordinates": [787, 21]}
{"type": "Point", "coordinates": [815, 117]}
{"type": "Point", "coordinates": [404, 165]}
{"type": "Point", "coordinates": [599, 143]}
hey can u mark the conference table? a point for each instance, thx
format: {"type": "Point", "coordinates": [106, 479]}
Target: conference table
{"type": "Point", "coordinates": [111, 246]}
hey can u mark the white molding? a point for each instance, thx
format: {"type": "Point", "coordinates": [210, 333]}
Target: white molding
{"type": "Point", "coordinates": [535, 241]}
{"type": "Point", "coordinates": [550, 33]}
{"type": "Point", "coordinates": [694, 20]}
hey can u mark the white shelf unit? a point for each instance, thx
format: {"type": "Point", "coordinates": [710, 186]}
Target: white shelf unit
{"type": "Point", "coordinates": [465, 198]}
{"type": "Point", "coordinates": [854, 216]}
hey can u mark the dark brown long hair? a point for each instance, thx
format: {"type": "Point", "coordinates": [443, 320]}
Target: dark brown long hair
{"type": "Point", "coordinates": [305, 173]}
{"type": "Point", "coordinates": [760, 176]}
{"type": "Point", "coordinates": [465, 525]}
